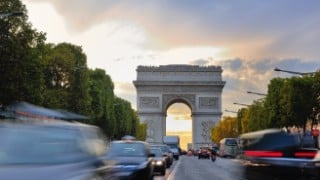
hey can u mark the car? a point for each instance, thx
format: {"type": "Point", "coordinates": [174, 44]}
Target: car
{"type": "Point", "coordinates": [166, 152]}
{"type": "Point", "coordinates": [176, 152]}
{"type": "Point", "coordinates": [53, 150]}
{"type": "Point", "coordinates": [131, 159]}
{"type": "Point", "coordinates": [204, 152]}
{"type": "Point", "coordinates": [275, 154]}
{"type": "Point", "coordinates": [159, 161]}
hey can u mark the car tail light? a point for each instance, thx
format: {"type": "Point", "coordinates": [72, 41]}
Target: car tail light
{"type": "Point", "coordinates": [305, 154]}
{"type": "Point", "coordinates": [263, 153]}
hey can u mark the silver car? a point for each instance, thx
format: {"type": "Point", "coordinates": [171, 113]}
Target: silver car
{"type": "Point", "coordinates": [51, 151]}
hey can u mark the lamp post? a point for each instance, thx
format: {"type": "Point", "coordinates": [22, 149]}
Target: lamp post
{"type": "Point", "coordinates": [294, 72]}
{"type": "Point", "coordinates": [226, 110]}
{"type": "Point", "coordinates": [4, 15]}
{"type": "Point", "coordinates": [247, 105]}
{"type": "Point", "coordinates": [260, 94]}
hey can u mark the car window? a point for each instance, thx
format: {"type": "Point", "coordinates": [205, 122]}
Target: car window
{"type": "Point", "coordinates": [156, 151]}
{"type": "Point", "coordinates": [231, 142]}
{"type": "Point", "coordinates": [39, 146]}
{"type": "Point", "coordinates": [127, 149]}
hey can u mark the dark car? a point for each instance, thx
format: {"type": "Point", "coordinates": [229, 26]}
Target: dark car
{"type": "Point", "coordinates": [274, 154]}
{"type": "Point", "coordinates": [166, 152]}
{"type": "Point", "coordinates": [51, 151]}
{"type": "Point", "coordinates": [159, 161]}
{"type": "Point", "coordinates": [131, 159]}
{"type": "Point", "coordinates": [204, 153]}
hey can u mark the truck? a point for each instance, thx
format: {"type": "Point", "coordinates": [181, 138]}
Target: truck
{"type": "Point", "coordinates": [174, 143]}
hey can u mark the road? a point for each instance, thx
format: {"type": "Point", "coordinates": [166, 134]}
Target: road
{"type": "Point", "coordinates": [191, 168]}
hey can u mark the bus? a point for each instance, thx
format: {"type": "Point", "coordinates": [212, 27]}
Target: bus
{"type": "Point", "coordinates": [228, 147]}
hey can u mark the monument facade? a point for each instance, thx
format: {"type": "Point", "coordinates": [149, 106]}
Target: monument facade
{"type": "Point", "coordinates": [199, 87]}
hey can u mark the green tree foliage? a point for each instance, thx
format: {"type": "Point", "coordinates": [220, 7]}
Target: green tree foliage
{"type": "Point", "coordinates": [316, 95]}
{"type": "Point", "coordinates": [20, 64]}
{"type": "Point", "coordinates": [272, 104]}
{"type": "Point", "coordinates": [256, 115]}
{"type": "Point", "coordinates": [66, 78]}
{"type": "Point", "coordinates": [297, 101]}
{"type": "Point", "coordinates": [226, 128]}
{"type": "Point", "coordinates": [123, 117]}
{"type": "Point", "coordinates": [57, 76]}
{"type": "Point", "coordinates": [102, 101]}
{"type": "Point", "coordinates": [242, 118]}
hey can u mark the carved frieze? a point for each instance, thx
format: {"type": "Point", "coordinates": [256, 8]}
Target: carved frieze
{"type": "Point", "coordinates": [149, 102]}
{"type": "Point", "coordinates": [208, 102]}
{"type": "Point", "coordinates": [195, 89]}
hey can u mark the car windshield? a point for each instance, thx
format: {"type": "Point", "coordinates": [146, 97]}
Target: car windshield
{"type": "Point", "coordinates": [39, 146]}
{"type": "Point", "coordinates": [231, 142]}
{"type": "Point", "coordinates": [164, 149]}
{"type": "Point", "coordinates": [156, 151]}
{"type": "Point", "coordinates": [127, 149]}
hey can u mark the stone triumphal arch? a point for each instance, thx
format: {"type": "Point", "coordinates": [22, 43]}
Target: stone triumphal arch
{"type": "Point", "coordinates": [199, 87]}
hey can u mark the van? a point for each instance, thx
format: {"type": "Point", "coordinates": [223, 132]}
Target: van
{"type": "Point", "coordinates": [228, 147]}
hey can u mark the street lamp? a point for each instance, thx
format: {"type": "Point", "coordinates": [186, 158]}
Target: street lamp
{"type": "Point", "coordinates": [226, 110]}
{"type": "Point", "coordinates": [294, 72]}
{"type": "Point", "coordinates": [4, 15]}
{"type": "Point", "coordinates": [247, 105]}
{"type": "Point", "coordinates": [260, 94]}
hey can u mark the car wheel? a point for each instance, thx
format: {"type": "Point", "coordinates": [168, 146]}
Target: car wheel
{"type": "Point", "coordinates": [163, 172]}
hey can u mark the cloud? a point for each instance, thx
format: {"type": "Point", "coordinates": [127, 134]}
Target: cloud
{"type": "Point", "coordinates": [200, 62]}
{"type": "Point", "coordinates": [249, 28]}
{"type": "Point", "coordinates": [242, 75]}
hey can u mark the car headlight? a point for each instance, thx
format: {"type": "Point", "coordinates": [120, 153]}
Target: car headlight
{"type": "Point", "coordinates": [159, 163]}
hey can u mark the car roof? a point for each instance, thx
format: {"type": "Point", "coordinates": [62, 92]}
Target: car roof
{"type": "Point", "coordinates": [129, 141]}
{"type": "Point", "coordinates": [259, 134]}
{"type": "Point", "coordinates": [51, 124]}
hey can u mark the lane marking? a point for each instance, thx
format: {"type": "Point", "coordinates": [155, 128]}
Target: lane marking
{"type": "Point", "coordinates": [173, 172]}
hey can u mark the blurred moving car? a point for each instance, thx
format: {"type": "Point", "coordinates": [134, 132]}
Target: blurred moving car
{"type": "Point", "coordinates": [204, 152]}
{"type": "Point", "coordinates": [166, 152]}
{"type": "Point", "coordinates": [159, 161]}
{"type": "Point", "coordinates": [275, 154]}
{"type": "Point", "coordinates": [131, 159]}
{"type": "Point", "coordinates": [52, 151]}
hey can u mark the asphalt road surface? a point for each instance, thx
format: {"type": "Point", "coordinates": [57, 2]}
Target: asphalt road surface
{"type": "Point", "coordinates": [192, 168]}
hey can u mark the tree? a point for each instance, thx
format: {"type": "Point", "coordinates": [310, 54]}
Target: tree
{"type": "Point", "coordinates": [272, 104]}
{"type": "Point", "coordinates": [297, 101]}
{"type": "Point", "coordinates": [20, 62]}
{"type": "Point", "coordinates": [102, 101]}
{"type": "Point", "coordinates": [243, 118]}
{"type": "Point", "coordinates": [226, 128]}
{"type": "Point", "coordinates": [257, 116]}
{"type": "Point", "coordinates": [66, 76]}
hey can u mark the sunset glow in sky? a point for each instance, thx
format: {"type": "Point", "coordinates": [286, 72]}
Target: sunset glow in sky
{"type": "Point", "coordinates": [248, 39]}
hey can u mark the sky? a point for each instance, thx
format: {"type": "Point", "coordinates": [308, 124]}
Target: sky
{"type": "Point", "coordinates": [247, 38]}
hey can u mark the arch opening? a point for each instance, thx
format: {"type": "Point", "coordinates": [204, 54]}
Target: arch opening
{"type": "Point", "coordinates": [179, 122]}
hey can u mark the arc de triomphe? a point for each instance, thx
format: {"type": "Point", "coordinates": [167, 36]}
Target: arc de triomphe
{"type": "Point", "coordinates": [199, 87]}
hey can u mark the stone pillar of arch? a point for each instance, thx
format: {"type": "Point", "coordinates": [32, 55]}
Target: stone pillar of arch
{"type": "Point", "coordinates": [199, 87]}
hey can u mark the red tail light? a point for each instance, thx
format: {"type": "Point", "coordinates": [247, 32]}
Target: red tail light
{"type": "Point", "coordinates": [305, 154]}
{"type": "Point", "coordinates": [263, 153]}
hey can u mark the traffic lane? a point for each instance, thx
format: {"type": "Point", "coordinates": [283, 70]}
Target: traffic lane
{"type": "Point", "coordinates": [192, 168]}
{"type": "Point", "coordinates": [168, 171]}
